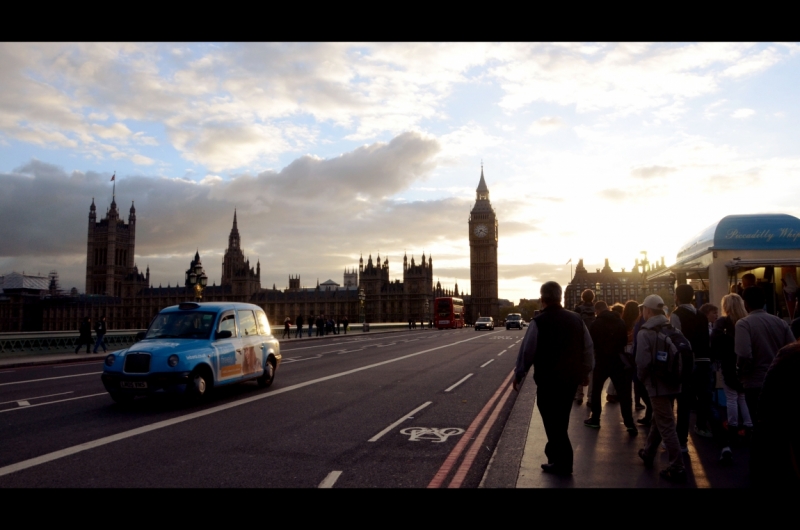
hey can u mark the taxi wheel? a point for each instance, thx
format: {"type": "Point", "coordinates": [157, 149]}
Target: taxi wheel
{"type": "Point", "coordinates": [268, 376]}
{"type": "Point", "coordinates": [121, 398]}
{"type": "Point", "coordinates": [199, 385]}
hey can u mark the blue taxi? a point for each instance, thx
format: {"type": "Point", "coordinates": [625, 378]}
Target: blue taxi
{"type": "Point", "coordinates": [193, 347]}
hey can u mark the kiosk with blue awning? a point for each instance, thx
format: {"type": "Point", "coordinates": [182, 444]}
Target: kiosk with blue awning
{"type": "Point", "coordinates": [767, 245]}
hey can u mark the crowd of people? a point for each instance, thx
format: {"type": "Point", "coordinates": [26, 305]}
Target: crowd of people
{"type": "Point", "coordinates": [669, 363]}
{"type": "Point", "coordinates": [324, 326]}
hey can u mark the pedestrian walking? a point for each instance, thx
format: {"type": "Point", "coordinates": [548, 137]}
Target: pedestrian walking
{"type": "Point", "coordinates": [559, 347]}
{"type": "Point", "coordinates": [287, 326]}
{"type": "Point", "coordinates": [310, 324]}
{"type": "Point", "coordinates": [650, 344]}
{"type": "Point", "coordinates": [723, 352]}
{"type": "Point", "coordinates": [757, 340]}
{"type": "Point", "coordinates": [696, 391]}
{"type": "Point", "coordinates": [85, 335]}
{"type": "Point", "coordinates": [345, 324]}
{"type": "Point", "coordinates": [609, 338]}
{"type": "Point", "coordinates": [299, 323]}
{"type": "Point", "coordinates": [586, 311]}
{"type": "Point", "coordinates": [320, 323]}
{"type": "Point", "coordinates": [100, 329]}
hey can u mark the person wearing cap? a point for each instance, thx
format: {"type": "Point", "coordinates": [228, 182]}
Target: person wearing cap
{"type": "Point", "coordinates": [662, 394]}
{"type": "Point", "coordinates": [559, 347]}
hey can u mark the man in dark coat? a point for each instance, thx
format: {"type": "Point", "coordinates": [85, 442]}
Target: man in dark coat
{"type": "Point", "coordinates": [299, 323]}
{"type": "Point", "coordinates": [100, 329]}
{"type": "Point", "coordinates": [559, 347]}
{"type": "Point", "coordinates": [85, 335]}
{"type": "Point", "coordinates": [609, 337]}
{"type": "Point", "coordinates": [697, 391]}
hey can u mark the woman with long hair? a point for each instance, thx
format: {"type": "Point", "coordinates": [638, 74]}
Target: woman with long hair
{"type": "Point", "coordinates": [722, 350]}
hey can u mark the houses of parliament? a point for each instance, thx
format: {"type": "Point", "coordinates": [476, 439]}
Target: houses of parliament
{"type": "Point", "coordinates": [117, 289]}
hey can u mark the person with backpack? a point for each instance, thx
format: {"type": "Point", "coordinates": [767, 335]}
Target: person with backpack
{"type": "Point", "coordinates": [586, 311]}
{"type": "Point", "coordinates": [697, 390]}
{"type": "Point", "coordinates": [656, 359]}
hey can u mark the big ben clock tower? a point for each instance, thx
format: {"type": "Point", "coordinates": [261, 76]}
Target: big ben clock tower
{"type": "Point", "coordinates": [483, 255]}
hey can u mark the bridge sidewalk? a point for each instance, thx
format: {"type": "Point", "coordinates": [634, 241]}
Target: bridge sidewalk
{"type": "Point", "coordinates": [603, 458]}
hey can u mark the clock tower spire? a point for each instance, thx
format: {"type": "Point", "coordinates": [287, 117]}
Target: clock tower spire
{"type": "Point", "coordinates": [483, 237]}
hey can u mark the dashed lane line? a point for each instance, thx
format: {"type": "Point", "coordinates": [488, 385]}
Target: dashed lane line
{"type": "Point", "coordinates": [330, 480]}
{"type": "Point", "coordinates": [37, 397]}
{"type": "Point", "coordinates": [29, 406]}
{"type": "Point", "coordinates": [55, 455]}
{"type": "Point", "coordinates": [48, 379]}
{"type": "Point", "coordinates": [405, 417]}
{"type": "Point", "coordinates": [487, 362]}
{"type": "Point", "coordinates": [458, 383]}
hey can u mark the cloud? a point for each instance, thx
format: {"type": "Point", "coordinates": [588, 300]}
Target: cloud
{"type": "Point", "coordinates": [545, 125]}
{"type": "Point", "coordinates": [743, 113]}
{"type": "Point", "coordinates": [650, 172]}
{"type": "Point", "coordinates": [43, 213]}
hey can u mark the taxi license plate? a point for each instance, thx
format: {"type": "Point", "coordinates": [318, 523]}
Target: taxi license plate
{"type": "Point", "coordinates": [133, 384]}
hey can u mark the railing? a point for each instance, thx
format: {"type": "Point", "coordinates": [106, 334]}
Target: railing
{"type": "Point", "coordinates": [44, 342]}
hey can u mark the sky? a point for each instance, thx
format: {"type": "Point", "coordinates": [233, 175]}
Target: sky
{"type": "Point", "coordinates": [331, 151]}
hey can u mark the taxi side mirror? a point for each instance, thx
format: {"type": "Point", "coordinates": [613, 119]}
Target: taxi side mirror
{"type": "Point", "coordinates": [224, 334]}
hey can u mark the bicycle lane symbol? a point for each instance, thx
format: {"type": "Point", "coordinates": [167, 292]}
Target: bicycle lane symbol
{"type": "Point", "coordinates": [432, 434]}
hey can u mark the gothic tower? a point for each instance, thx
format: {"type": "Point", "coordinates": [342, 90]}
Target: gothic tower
{"type": "Point", "coordinates": [109, 253]}
{"type": "Point", "coordinates": [483, 255]}
{"type": "Point", "coordinates": [236, 270]}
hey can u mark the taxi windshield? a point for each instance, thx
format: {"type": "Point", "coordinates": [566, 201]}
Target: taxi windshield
{"type": "Point", "coordinates": [181, 325]}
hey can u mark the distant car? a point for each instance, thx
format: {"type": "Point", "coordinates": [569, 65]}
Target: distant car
{"type": "Point", "coordinates": [484, 323]}
{"type": "Point", "coordinates": [514, 320]}
{"type": "Point", "coordinates": [191, 348]}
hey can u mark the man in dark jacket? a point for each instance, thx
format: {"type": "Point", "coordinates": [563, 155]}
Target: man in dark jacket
{"type": "Point", "coordinates": [609, 337]}
{"type": "Point", "coordinates": [100, 328]}
{"type": "Point", "coordinates": [694, 326]}
{"type": "Point", "coordinates": [85, 337]}
{"type": "Point", "coordinates": [299, 323]}
{"type": "Point", "coordinates": [586, 311]}
{"type": "Point", "coordinates": [559, 347]}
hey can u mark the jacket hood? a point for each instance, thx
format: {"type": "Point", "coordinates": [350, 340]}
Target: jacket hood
{"type": "Point", "coordinates": [658, 320]}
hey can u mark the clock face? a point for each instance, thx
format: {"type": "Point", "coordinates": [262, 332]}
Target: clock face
{"type": "Point", "coordinates": [481, 230]}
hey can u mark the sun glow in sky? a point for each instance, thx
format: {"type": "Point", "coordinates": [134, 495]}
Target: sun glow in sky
{"type": "Point", "coordinates": [330, 151]}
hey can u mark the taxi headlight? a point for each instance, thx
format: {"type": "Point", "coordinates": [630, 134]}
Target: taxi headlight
{"type": "Point", "coordinates": [110, 359]}
{"type": "Point", "coordinates": [173, 361]}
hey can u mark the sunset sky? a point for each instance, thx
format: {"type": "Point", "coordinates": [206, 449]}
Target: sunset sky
{"type": "Point", "coordinates": [331, 151]}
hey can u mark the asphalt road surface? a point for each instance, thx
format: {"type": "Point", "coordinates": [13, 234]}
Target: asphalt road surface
{"type": "Point", "coordinates": [413, 409]}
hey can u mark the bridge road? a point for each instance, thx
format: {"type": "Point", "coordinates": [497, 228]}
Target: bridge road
{"type": "Point", "coordinates": [391, 410]}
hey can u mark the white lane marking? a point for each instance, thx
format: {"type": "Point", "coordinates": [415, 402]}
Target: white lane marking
{"type": "Point", "coordinates": [487, 362]}
{"type": "Point", "coordinates": [455, 385]}
{"type": "Point", "coordinates": [384, 345]}
{"type": "Point", "coordinates": [51, 402]}
{"type": "Point", "coordinates": [300, 359]}
{"type": "Point", "coordinates": [70, 365]}
{"type": "Point", "coordinates": [48, 379]}
{"type": "Point", "coordinates": [6, 371]}
{"type": "Point", "coordinates": [330, 480]}
{"type": "Point", "coordinates": [502, 352]}
{"type": "Point", "coordinates": [23, 403]}
{"type": "Point", "coordinates": [408, 416]}
{"type": "Point", "coordinates": [55, 455]}
{"type": "Point", "coordinates": [290, 347]}
{"type": "Point", "coordinates": [37, 397]}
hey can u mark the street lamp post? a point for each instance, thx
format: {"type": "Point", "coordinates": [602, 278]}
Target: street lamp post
{"type": "Point", "coordinates": [361, 298]}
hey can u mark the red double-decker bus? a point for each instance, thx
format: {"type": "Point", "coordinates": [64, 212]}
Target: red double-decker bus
{"type": "Point", "coordinates": [449, 313]}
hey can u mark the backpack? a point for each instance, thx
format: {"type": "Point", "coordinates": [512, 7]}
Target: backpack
{"type": "Point", "coordinates": [673, 366]}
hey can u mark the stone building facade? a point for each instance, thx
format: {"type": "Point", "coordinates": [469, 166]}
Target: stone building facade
{"type": "Point", "coordinates": [115, 287]}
